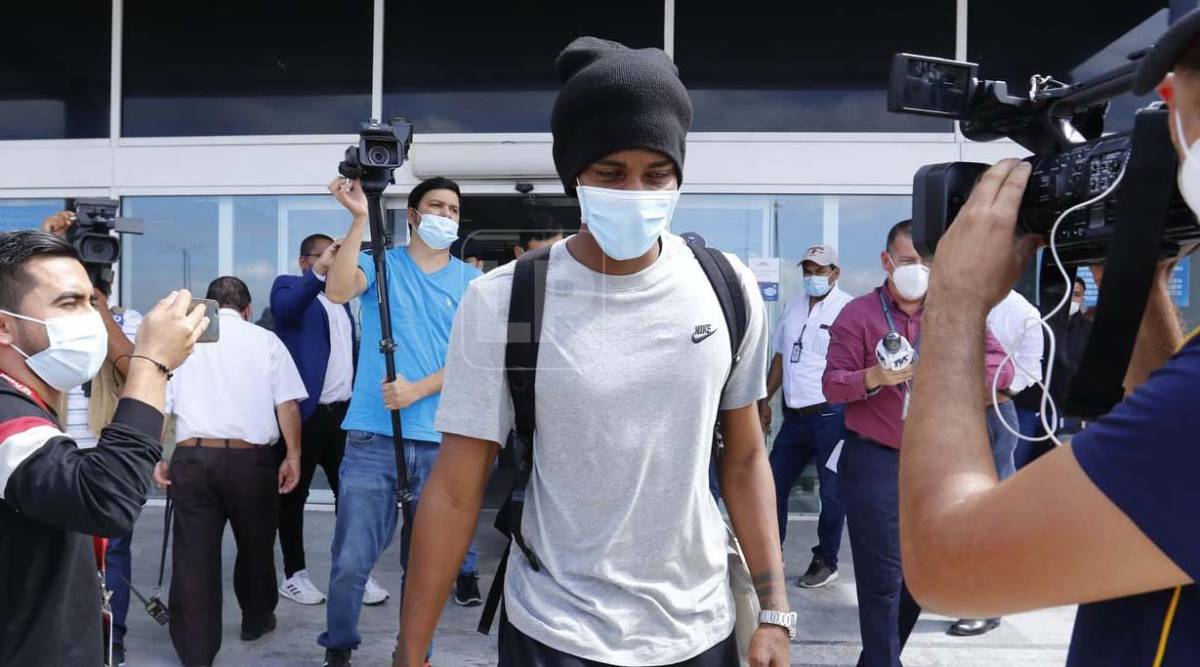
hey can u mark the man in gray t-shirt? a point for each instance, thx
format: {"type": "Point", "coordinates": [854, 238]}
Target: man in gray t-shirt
{"type": "Point", "coordinates": [634, 368]}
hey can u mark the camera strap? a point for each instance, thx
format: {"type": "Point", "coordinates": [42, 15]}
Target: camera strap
{"type": "Point", "coordinates": [1129, 268]}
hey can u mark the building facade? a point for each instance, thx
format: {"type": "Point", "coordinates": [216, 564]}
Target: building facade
{"type": "Point", "coordinates": [220, 123]}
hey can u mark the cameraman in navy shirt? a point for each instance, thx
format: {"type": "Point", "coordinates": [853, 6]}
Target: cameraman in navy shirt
{"type": "Point", "coordinates": [1109, 520]}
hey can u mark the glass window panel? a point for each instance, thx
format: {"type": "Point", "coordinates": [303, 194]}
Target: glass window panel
{"type": "Point", "coordinates": [18, 214]}
{"type": "Point", "coordinates": [1096, 42]}
{"type": "Point", "coordinates": [494, 70]}
{"type": "Point", "coordinates": [55, 62]}
{"type": "Point", "coordinates": [267, 67]}
{"type": "Point", "coordinates": [778, 65]}
{"type": "Point", "coordinates": [184, 238]}
{"type": "Point", "coordinates": [733, 223]}
{"type": "Point", "coordinates": [178, 250]}
{"type": "Point", "coordinates": [863, 224]}
{"type": "Point", "coordinates": [800, 225]}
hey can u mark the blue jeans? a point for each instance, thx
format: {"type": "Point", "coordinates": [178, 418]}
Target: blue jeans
{"type": "Point", "coordinates": [1004, 443]}
{"type": "Point", "coordinates": [803, 439]}
{"type": "Point", "coordinates": [366, 522]}
{"type": "Point", "coordinates": [870, 484]}
{"type": "Point", "coordinates": [118, 564]}
{"type": "Point", "coordinates": [1031, 427]}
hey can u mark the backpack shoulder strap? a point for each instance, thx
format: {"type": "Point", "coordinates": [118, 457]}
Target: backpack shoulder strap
{"type": "Point", "coordinates": [728, 287]}
{"type": "Point", "coordinates": [525, 309]}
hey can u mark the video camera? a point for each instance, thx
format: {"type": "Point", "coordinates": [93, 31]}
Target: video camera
{"type": "Point", "coordinates": [382, 148]}
{"type": "Point", "coordinates": [1072, 163]}
{"type": "Point", "coordinates": [92, 236]}
{"type": "Point", "coordinates": [1114, 198]}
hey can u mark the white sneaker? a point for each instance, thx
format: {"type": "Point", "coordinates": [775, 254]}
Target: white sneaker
{"type": "Point", "coordinates": [299, 588]}
{"type": "Point", "coordinates": [374, 593]}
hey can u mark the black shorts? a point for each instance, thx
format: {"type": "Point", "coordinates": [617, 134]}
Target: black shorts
{"type": "Point", "coordinates": [518, 650]}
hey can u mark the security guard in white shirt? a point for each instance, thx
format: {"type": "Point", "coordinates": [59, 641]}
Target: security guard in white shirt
{"type": "Point", "coordinates": [230, 399]}
{"type": "Point", "coordinates": [812, 427]}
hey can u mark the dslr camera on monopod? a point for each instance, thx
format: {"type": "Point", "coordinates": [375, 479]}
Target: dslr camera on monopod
{"type": "Point", "coordinates": [1097, 199]}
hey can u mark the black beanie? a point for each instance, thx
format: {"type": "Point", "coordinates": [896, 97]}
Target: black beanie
{"type": "Point", "coordinates": [616, 98]}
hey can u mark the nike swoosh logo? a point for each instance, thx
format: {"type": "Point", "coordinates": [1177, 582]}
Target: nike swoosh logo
{"type": "Point", "coordinates": [700, 338]}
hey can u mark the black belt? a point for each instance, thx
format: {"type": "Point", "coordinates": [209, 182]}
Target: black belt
{"type": "Point", "coordinates": [807, 411]}
{"type": "Point", "coordinates": [333, 407]}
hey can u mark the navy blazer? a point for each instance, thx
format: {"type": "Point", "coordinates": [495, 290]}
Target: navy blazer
{"type": "Point", "coordinates": [303, 325]}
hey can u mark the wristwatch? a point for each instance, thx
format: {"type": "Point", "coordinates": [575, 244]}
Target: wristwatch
{"type": "Point", "coordinates": [784, 619]}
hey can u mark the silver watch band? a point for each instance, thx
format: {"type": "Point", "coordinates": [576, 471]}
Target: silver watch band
{"type": "Point", "coordinates": [783, 619]}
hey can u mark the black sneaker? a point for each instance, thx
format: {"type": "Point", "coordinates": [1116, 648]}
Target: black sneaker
{"type": "Point", "coordinates": [819, 574]}
{"type": "Point", "coordinates": [251, 635]}
{"type": "Point", "coordinates": [466, 591]}
{"type": "Point", "coordinates": [973, 627]}
{"type": "Point", "coordinates": [118, 655]}
{"type": "Point", "coordinates": [335, 657]}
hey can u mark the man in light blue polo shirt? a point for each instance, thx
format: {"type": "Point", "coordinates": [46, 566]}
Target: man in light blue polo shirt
{"type": "Point", "coordinates": [425, 285]}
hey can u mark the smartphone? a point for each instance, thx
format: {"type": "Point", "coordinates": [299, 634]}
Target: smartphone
{"type": "Point", "coordinates": [213, 333]}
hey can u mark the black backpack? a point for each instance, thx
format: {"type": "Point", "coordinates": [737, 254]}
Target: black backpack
{"type": "Point", "coordinates": [520, 361]}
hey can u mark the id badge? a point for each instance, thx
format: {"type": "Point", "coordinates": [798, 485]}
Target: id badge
{"type": "Point", "coordinates": [796, 352]}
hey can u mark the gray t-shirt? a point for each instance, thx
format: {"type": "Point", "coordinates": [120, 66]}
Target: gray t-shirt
{"type": "Point", "coordinates": [618, 510]}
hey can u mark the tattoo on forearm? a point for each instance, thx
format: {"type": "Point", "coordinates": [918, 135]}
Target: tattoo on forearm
{"type": "Point", "coordinates": [770, 586]}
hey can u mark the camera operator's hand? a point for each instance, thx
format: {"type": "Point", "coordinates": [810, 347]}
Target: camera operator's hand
{"type": "Point", "coordinates": [58, 223]}
{"type": "Point", "coordinates": [169, 331]}
{"type": "Point", "coordinates": [400, 394]}
{"type": "Point", "coordinates": [979, 258]}
{"type": "Point", "coordinates": [349, 194]}
{"type": "Point", "coordinates": [765, 415]}
{"type": "Point", "coordinates": [321, 267]}
{"type": "Point", "coordinates": [878, 376]}
{"type": "Point", "coordinates": [162, 475]}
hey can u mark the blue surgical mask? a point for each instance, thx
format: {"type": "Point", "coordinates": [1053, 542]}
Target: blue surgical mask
{"type": "Point", "coordinates": [437, 232]}
{"type": "Point", "coordinates": [817, 286]}
{"type": "Point", "coordinates": [626, 223]}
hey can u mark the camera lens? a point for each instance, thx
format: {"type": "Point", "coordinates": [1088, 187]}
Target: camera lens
{"type": "Point", "coordinates": [379, 155]}
{"type": "Point", "coordinates": [99, 249]}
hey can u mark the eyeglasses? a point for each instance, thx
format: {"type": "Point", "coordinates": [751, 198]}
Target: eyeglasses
{"type": "Point", "coordinates": [310, 254]}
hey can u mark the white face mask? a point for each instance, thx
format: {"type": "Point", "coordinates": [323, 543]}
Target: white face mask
{"type": "Point", "coordinates": [1189, 168]}
{"type": "Point", "coordinates": [626, 222]}
{"type": "Point", "coordinates": [911, 280]}
{"type": "Point", "coordinates": [78, 346]}
{"type": "Point", "coordinates": [436, 231]}
{"type": "Point", "coordinates": [1075, 307]}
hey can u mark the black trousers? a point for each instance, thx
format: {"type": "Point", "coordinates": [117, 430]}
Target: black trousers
{"type": "Point", "coordinates": [322, 443]}
{"type": "Point", "coordinates": [208, 488]}
{"type": "Point", "coordinates": [519, 650]}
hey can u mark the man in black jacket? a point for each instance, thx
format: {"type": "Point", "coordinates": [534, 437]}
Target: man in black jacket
{"type": "Point", "coordinates": [53, 495]}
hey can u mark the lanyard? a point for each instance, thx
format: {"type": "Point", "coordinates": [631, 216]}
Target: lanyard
{"type": "Point", "coordinates": [26, 390]}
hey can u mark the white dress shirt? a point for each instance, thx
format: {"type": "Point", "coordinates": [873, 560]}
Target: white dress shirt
{"type": "Point", "coordinates": [339, 374]}
{"type": "Point", "coordinates": [802, 339]}
{"type": "Point", "coordinates": [229, 389]}
{"type": "Point", "coordinates": [1007, 322]}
